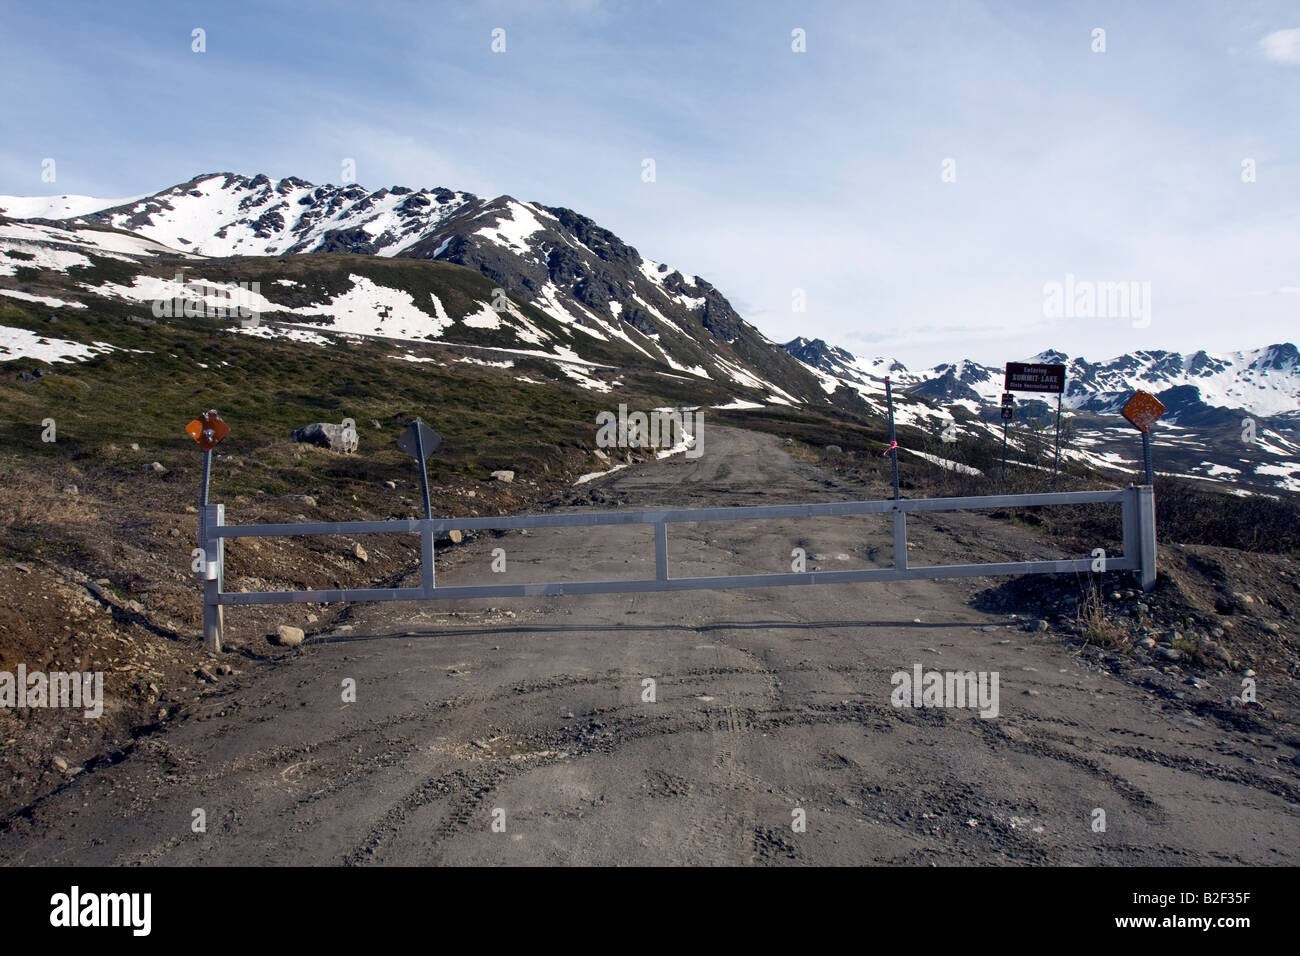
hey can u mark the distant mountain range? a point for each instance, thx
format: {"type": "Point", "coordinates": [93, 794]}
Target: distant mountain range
{"type": "Point", "coordinates": [556, 285]}
{"type": "Point", "coordinates": [1262, 382]}
{"type": "Point", "coordinates": [1214, 403]}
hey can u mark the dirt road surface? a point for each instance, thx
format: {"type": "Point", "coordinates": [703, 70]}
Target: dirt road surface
{"type": "Point", "coordinates": [768, 705]}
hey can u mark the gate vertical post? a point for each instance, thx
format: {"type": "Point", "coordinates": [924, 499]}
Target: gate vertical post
{"type": "Point", "coordinates": [1129, 527]}
{"type": "Point", "coordinates": [900, 540]}
{"type": "Point", "coordinates": [1146, 523]}
{"type": "Point", "coordinates": [214, 562]}
{"type": "Point", "coordinates": [427, 554]}
{"type": "Point", "coordinates": [661, 551]}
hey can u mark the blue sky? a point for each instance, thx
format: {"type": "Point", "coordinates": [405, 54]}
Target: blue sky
{"type": "Point", "coordinates": [775, 170]}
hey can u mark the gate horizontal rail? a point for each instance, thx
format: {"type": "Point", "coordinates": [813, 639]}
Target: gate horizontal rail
{"type": "Point", "coordinates": [669, 515]}
{"type": "Point", "coordinates": [1138, 510]}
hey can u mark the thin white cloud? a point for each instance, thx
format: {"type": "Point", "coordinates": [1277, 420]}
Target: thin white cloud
{"type": "Point", "coordinates": [1282, 45]}
{"type": "Point", "coordinates": [1283, 290]}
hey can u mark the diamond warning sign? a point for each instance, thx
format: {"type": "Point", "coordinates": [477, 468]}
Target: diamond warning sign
{"type": "Point", "coordinates": [208, 430]}
{"type": "Point", "coordinates": [1143, 410]}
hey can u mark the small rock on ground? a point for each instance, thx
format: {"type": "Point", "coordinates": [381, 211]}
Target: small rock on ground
{"type": "Point", "coordinates": [287, 636]}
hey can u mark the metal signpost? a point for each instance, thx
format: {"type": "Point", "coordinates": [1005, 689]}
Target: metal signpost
{"type": "Point", "coordinates": [1008, 413]}
{"type": "Point", "coordinates": [1028, 377]}
{"type": "Point", "coordinates": [207, 431]}
{"type": "Point", "coordinates": [420, 441]}
{"type": "Point", "coordinates": [1143, 410]}
{"type": "Point", "coordinates": [1056, 458]}
{"type": "Point", "coordinates": [893, 443]}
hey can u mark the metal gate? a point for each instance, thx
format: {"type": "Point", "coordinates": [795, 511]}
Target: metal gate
{"type": "Point", "coordinates": [1139, 549]}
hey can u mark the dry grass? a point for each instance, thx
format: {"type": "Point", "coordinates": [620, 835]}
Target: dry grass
{"type": "Point", "coordinates": [28, 500]}
{"type": "Point", "coordinates": [1095, 624]}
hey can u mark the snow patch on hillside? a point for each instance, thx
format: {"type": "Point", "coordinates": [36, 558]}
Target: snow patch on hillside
{"type": "Point", "coordinates": [514, 228]}
{"type": "Point", "coordinates": [21, 343]}
{"type": "Point", "coordinates": [377, 310]}
{"type": "Point", "coordinates": [41, 299]}
{"type": "Point", "coordinates": [278, 331]}
{"type": "Point", "coordinates": [485, 318]}
{"type": "Point", "coordinates": [943, 462]}
{"type": "Point", "coordinates": [57, 207]}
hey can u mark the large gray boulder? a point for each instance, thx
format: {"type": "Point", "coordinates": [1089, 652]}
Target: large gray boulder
{"type": "Point", "coordinates": [328, 435]}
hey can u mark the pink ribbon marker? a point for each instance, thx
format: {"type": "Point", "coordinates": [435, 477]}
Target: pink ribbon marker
{"type": "Point", "coordinates": [892, 446]}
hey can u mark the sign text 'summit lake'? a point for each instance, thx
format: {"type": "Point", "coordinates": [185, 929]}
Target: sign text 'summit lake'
{"type": "Point", "coordinates": [1022, 377]}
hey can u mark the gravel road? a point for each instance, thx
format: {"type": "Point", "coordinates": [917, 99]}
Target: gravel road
{"type": "Point", "coordinates": [770, 707]}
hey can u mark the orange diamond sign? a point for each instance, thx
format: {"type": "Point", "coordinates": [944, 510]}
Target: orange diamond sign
{"type": "Point", "coordinates": [1143, 410]}
{"type": "Point", "coordinates": [208, 429]}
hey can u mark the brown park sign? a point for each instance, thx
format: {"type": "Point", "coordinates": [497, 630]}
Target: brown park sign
{"type": "Point", "coordinates": [1143, 410]}
{"type": "Point", "coordinates": [1025, 377]}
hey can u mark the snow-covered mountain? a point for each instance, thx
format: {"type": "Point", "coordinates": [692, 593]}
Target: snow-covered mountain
{"type": "Point", "coordinates": [836, 366]}
{"type": "Point", "coordinates": [1263, 382]}
{"type": "Point", "coordinates": [550, 257]}
{"type": "Point", "coordinates": [56, 207]}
